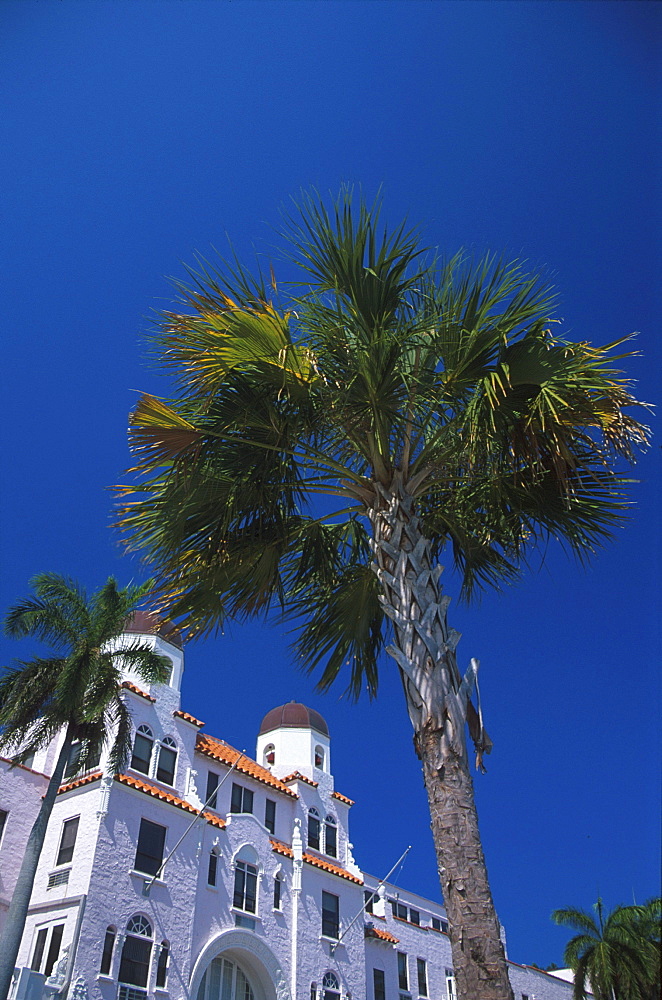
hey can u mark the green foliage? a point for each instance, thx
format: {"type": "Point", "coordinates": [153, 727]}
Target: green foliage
{"type": "Point", "coordinates": [617, 956]}
{"type": "Point", "coordinates": [79, 687]}
{"type": "Point", "coordinates": [380, 370]}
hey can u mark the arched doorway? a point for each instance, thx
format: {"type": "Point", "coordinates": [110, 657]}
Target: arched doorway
{"type": "Point", "coordinates": [238, 965]}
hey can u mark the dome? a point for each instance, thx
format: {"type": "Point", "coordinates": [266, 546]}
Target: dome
{"type": "Point", "coordinates": [294, 715]}
{"type": "Point", "coordinates": [147, 621]}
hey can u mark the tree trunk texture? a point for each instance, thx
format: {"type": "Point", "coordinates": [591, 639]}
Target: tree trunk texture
{"type": "Point", "coordinates": [10, 940]}
{"type": "Point", "coordinates": [438, 701]}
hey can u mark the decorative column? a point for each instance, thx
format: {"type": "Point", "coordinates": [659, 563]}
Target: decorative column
{"type": "Point", "coordinates": [297, 851]}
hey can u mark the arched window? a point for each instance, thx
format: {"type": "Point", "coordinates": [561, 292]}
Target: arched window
{"type": "Point", "coordinates": [136, 955]}
{"type": "Point", "coordinates": [313, 991]}
{"type": "Point", "coordinates": [143, 744]}
{"type": "Point", "coordinates": [167, 765]}
{"type": "Point", "coordinates": [279, 878]}
{"type": "Point", "coordinates": [331, 986]}
{"type": "Point", "coordinates": [314, 829]}
{"type": "Point", "coordinates": [319, 756]}
{"type": "Point", "coordinates": [225, 979]}
{"type": "Point", "coordinates": [162, 964]}
{"type": "Point", "coordinates": [212, 871]}
{"type": "Point", "coordinates": [107, 953]}
{"type": "Point", "coordinates": [269, 755]}
{"type": "Point", "coordinates": [331, 836]}
{"type": "Point", "coordinates": [245, 880]}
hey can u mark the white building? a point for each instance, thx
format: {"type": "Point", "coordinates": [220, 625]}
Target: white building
{"type": "Point", "coordinates": [200, 873]}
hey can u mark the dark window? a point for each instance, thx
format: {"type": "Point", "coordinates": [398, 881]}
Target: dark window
{"type": "Point", "coordinates": [39, 949]}
{"type": "Point", "coordinates": [165, 771]}
{"type": "Point", "coordinates": [277, 893]}
{"type": "Point", "coordinates": [369, 897]}
{"type": "Point", "coordinates": [436, 924]}
{"type": "Point", "coordinates": [444, 926]}
{"type": "Point", "coordinates": [403, 979]}
{"type": "Point", "coordinates": [67, 841]}
{"type": "Point", "coordinates": [213, 869]}
{"type": "Point", "coordinates": [313, 991]}
{"type": "Point", "coordinates": [422, 971]}
{"type": "Point", "coordinates": [319, 757]}
{"type": "Point", "coordinates": [212, 785]}
{"type": "Point", "coordinates": [134, 965]}
{"type": "Point", "coordinates": [245, 887]}
{"type": "Point", "coordinates": [242, 799]}
{"type": "Point", "coordinates": [330, 837]}
{"type": "Point", "coordinates": [142, 751]}
{"type": "Point", "coordinates": [270, 815]}
{"type": "Point", "coordinates": [378, 984]}
{"type": "Point", "coordinates": [151, 841]}
{"type": "Point", "coordinates": [81, 758]}
{"type": "Point", "coordinates": [330, 915]}
{"type": "Point", "coordinates": [107, 953]}
{"type": "Point", "coordinates": [330, 986]}
{"type": "Point", "coordinates": [414, 916]}
{"type": "Point", "coordinates": [162, 965]}
{"type": "Point", "coordinates": [399, 910]}
{"type": "Point", "coordinates": [314, 830]}
{"type": "Point", "coordinates": [3, 820]}
{"type": "Point", "coordinates": [53, 949]}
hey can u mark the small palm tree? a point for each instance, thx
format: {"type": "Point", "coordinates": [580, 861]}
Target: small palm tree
{"type": "Point", "coordinates": [617, 956]}
{"type": "Point", "coordinates": [77, 690]}
{"type": "Point", "coordinates": [320, 456]}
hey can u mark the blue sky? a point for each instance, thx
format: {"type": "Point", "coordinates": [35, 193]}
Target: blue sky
{"type": "Point", "coordinates": [135, 134]}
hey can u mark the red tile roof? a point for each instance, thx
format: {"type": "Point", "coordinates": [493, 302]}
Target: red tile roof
{"type": "Point", "coordinates": [160, 793]}
{"type": "Point", "coordinates": [342, 798]}
{"type": "Point", "coordinates": [327, 866]}
{"type": "Point", "coordinates": [311, 859]}
{"type": "Point", "coordinates": [187, 717]}
{"type": "Point", "coordinates": [298, 776]}
{"type": "Point", "coordinates": [136, 690]}
{"type": "Point", "coordinates": [377, 932]}
{"type": "Point", "coordinates": [219, 750]}
{"type": "Point", "coordinates": [78, 782]}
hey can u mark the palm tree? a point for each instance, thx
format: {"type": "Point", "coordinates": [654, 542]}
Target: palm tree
{"type": "Point", "coordinates": [617, 956]}
{"type": "Point", "coordinates": [323, 451]}
{"type": "Point", "coordinates": [78, 690]}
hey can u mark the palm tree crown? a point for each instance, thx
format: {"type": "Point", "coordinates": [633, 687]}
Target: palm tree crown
{"type": "Point", "coordinates": [617, 956]}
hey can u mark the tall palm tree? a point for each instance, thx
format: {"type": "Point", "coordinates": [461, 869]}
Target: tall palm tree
{"type": "Point", "coordinates": [78, 690]}
{"type": "Point", "coordinates": [323, 450]}
{"type": "Point", "coordinates": [617, 956]}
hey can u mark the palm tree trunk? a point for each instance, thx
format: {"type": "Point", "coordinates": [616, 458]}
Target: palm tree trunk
{"type": "Point", "coordinates": [438, 703]}
{"type": "Point", "coordinates": [10, 939]}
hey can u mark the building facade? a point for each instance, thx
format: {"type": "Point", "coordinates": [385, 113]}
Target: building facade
{"type": "Point", "coordinates": [202, 873]}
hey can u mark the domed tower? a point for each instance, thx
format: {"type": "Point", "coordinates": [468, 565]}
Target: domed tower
{"type": "Point", "coordinates": [147, 628]}
{"type": "Point", "coordinates": [292, 738]}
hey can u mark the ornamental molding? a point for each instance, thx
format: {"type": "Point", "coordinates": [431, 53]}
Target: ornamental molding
{"type": "Point", "coordinates": [236, 939]}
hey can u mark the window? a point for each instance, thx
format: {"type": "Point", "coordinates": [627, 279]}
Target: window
{"type": "Point", "coordinates": [421, 969]}
{"type": "Point", "coordinates": [162, 965]}
{"type": "Point", "coordinates": [107, 953]}
{"type": "Point", "coordinates": [242, 799]}
{"type": "Point", "coordinates": [314, 829]}
{"type": "Point", "coordinates": [53, 949]}
{"type": "Point", "coordinates": [450, 985]}
{"type": "Point", "coordinates": [225, 979]}
{"type": "Point", "coordinates": [330, 915]}
{"type": "Point", "coordinates": [136, 954]}
{"type": "Point", "coordinates": [378, 984]}
{"type": "Point", "coordinates": [313, 991]}
{"type": "Point", "coordinates": [212, 785]}
{"type": "Point", "coordinates": [331, 986]}
{"type": "Point", "coordinates": [331, 836]}
{"type": "Point", "coordinates": [82, 757]}
{"type": "Point", "coordinates": [403, 978]}
{"type": "Point", "coordinates": [67, 841]}
{"type": "Point", "coordinates": [38, 952]}
{"type": "Point", "coordinates": [151, 841]}
{"type": "Point", "coordinates": [278, 891]}
{"type": "Point", "coordinates": [141, 758]}
{"type": "Point", "coordinates": [269, 755]}
{"type": "Point", "coordinates": [165, 771]}
{"type": "Point", "coordinates": [245, 887]}
{"type": "Point", "coordinates": [399, 910]}
{"type": "Point", "coordinates": [270, 815]}
{"type": "Point", "coordinates": [3, 822]}
{"type": "Point", "coordinates": [436, 924]}
{"type": "Point", "coordinates": [369, 897]}
{"type": "Point", "coordinates": [414, 917]}
{"type": "Point", "coordinates": [212, 871]}
{"type": "Point", "coordinates": [319, 757]}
